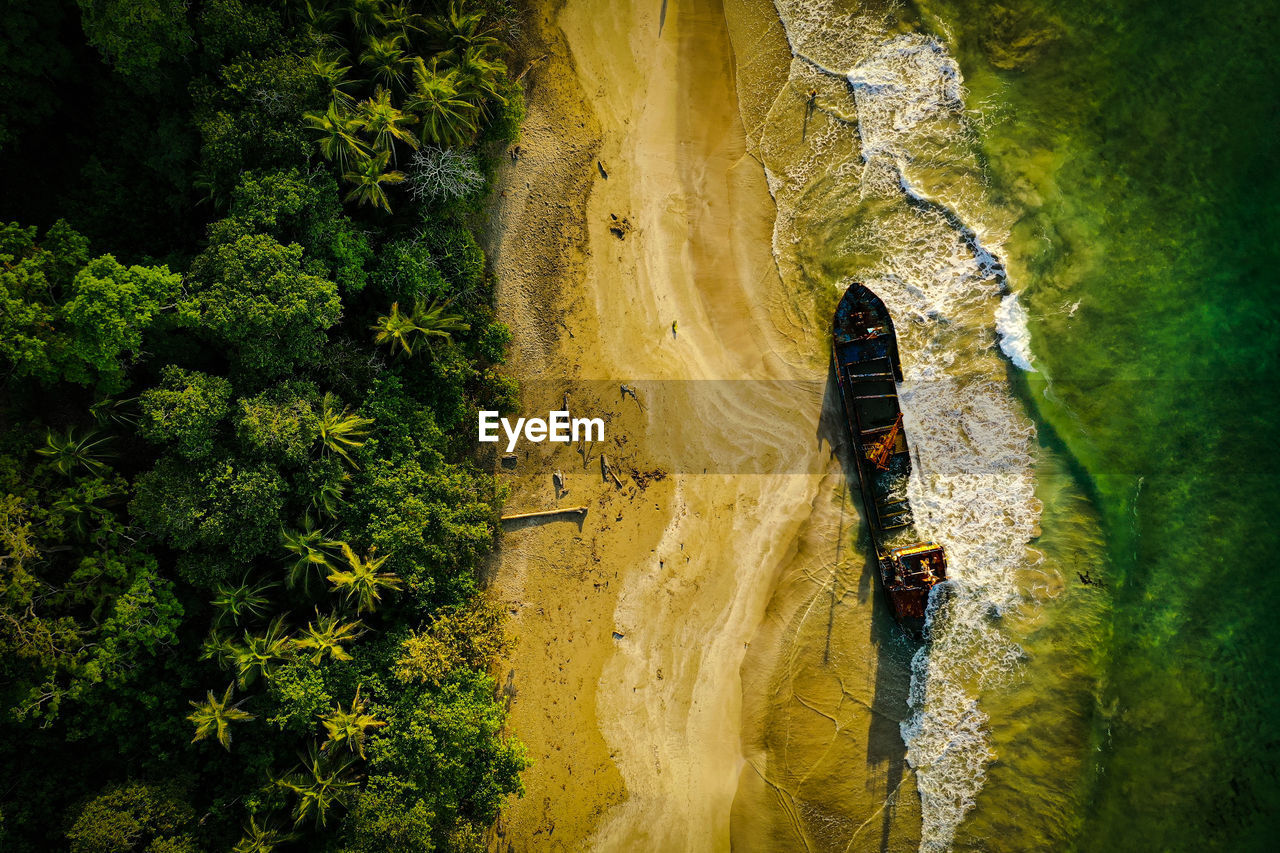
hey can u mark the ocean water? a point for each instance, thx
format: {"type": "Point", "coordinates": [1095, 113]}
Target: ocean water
{"type": "Point", "coordinates": [1069, 210]}
{"type": "Point", "coordinates": [1134, 147]}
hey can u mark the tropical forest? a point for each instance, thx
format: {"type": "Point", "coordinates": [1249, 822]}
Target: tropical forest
{"type": "Point", "coordinates": [244, 315]}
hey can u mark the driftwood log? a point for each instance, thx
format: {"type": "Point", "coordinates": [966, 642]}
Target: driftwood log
{"type": "Point", "coordinates": [576, 510]}
{"type": "Point", "coordinates": [606, 471]}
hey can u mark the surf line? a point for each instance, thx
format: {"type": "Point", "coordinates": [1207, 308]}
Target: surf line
{"type": "Point", "coordinates": [557, 427]}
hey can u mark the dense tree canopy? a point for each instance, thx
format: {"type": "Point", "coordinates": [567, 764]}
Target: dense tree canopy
{"type": "Point", "coordinates": [240, 538]}
{"type": "Point", "coordinates": [253, 297]}
{"type": "Point", "coordinates": [184, 412]}
{"type": "Point", "coordinates": [64, 317]}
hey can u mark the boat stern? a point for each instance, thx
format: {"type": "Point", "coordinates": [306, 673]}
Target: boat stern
{"type": "Point", "coordinates": [911, 574]}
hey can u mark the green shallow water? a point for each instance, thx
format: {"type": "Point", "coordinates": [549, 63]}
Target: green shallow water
{"type": "Point", "coordinates": [1134, 145]}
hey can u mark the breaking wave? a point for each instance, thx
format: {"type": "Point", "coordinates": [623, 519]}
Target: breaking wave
{"type": "Point", "coordinates": [1015, 338]}
{"type": "Point", "coordinates": [893, 130]}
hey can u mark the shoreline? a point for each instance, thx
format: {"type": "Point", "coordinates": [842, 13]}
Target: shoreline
{"type": "Point", "coordinates": [655, 642]}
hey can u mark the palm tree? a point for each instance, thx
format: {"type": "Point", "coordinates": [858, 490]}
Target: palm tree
{"type": "Point", "coordinates": [217, 646]}
{"type": "Point", "coordinates": [387, 61]}
{"type": "Point", "coordinates": [260, 654]}
{"type": "Point", "coordinates": [214, 716]}
{"type": "Point", "coordinates": [338, 131]}
{"type": "Point", "coordinates": [326, 636]}
{"type": "Point", "coordinates": [363, 583]}
{"type": "Point", "coordinates": [461, 29]}
{"type": "Point", "coordinates": [241, 601]}
{"type": "Point", "coordinates": [80, 507]}
{"type": "Point", "coordinates": [401, 18]}
{"type": "Point", "coordinates": [369, 180]}
{"type": "Point", "coordinates": [329, 495]}
{"type": "Point", "coordinates": [340, 429]}
{"type": "Point", "coordinates": [70, 451]}
{"type": "Point", "coordinates": [386, 122]}
{"type": "Point", "coordinates": [366, 15]}
{"type": "Point", "coordinates": [328, 68]}
{"type": "Point", "coordinates": [396, 329]}
{"type": "Point", "coordinates": [120, 412]}
{"type": "Point", "coordinates": [403, 330]}
{"type": "Point", "coordinates": [320, 15]}
{"type": "Point", "coordinates": [350, 726]}
{"type": "Point", "coordinates": [260, 839]}
{"type": "Point", "coordinates": [322, 782]}
{"type": "Point", "coordinates": [311, 548]}
{"type": "Point", "coordinates": [447, 117]}
{"type": "Point", "coordinates": [433, 322]}
{"type": "Point", "coordinates": [478, 77]}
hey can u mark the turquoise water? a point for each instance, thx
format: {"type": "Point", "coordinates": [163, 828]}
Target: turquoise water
{"type": "Point", "coordinates": [1134, 143]}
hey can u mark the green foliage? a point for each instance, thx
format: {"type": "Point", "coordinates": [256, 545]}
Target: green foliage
{"type": "Point", "coordinates": [207, 570]}
{"type": "Point", "coordinates": [74, 618]}
{"type": "Point", "coordinates": [65, 318]}
{"type": "Point", "coordinates": [135, 36]}
{"type": "Point", "coordinates": [224, 503]}
{"type": "Point", "coordinates": [396, 330]}
{"type": "Point", "coordinates": [431, 80]}
{"type": "Point", "coordinates": [214, 716]}
{"type": "Point", "coordinates": [493, 343]}
{"type": "Point", "coordinates": [325, 488]}
{"type": "Point", "coordinates": [402, 332]}
{"type": "Point", "coordinates": [299, 696]}
{"type": "Point", "coordinates": [411, 773]}
{"type": "Point", "coordinates": [407, 272]}
{"type": "Point", "coordinates": [108, 309]}
{"type": "Point", "coordinates": [229, 27]}
{"type": "Point", "coordinates": [302, 208]}
{"type": "Point", "coordinates": [430, 520]}
{"type": "Point", "coordinates": [72, 452]}
{"type": "Point", "coordinates": [322, 784]}
{"type": "Point", "coordinates": [258, 655]}
{"type": "Point", "coordinates": [337, 135]}
{"type": "Point", "coordinates": [360, 583]}
{"type": "Point", "coordinates": [238, 603]}
{"type": "Point", "coordinates": [260, 838]}
{"type": "Point", "coordinates": [340, 431]}
{"type": "Point", "coordinates": [312, 551]}
{"type": "Point", "coordinates": [254, 297]}
{"type": "Point", "coordinates": [460, 637]}
{"type": "Point", "coordinates": [388, 819]}
{"type": "Point", "coordinates": [447, 117]}
{"type": "Point", "coordinates": [328, 636]}
{"type": "Point", "coordinates": [457, 253]}
{"type": "Point", "coordinates": [279, 424]}
{"type": "Point", "coordinates": [178, 445]}
{"type": "Point", "coordinates": [186, 412]}
{"type": "Point", "coordinates": [384, 123]}
{"type": "Point", "coordinates": [387, 63]}
{"type": "Point", "coordinates": [369, 179]}
{"type": "Point", "coordinates": [134, 816]}
{"type": "Point", "coordinates": [350, 726]}
{"type": "Point", "coordinates": [248, 119]}
{"type": "Point", "coordinates": [505, 127]}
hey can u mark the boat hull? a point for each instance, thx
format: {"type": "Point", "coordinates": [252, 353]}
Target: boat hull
{"type": "Point", "coordinates": [864, 357]}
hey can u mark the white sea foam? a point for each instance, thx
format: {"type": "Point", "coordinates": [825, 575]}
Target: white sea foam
{"type": "Point", "coordinates": [937, 268]}
{"type": "Point", "coordinates": [1015, 338]}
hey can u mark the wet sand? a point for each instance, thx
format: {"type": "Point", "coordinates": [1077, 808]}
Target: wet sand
{"type": "Point", "coordinates": [700, 661]}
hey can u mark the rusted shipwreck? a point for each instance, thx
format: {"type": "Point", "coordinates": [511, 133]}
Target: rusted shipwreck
{"type": "Point", "coordinates": [864, 355]}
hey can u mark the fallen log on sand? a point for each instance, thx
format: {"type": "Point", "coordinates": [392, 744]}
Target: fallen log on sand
{"type": "Point", "coordinates": [576, 510]}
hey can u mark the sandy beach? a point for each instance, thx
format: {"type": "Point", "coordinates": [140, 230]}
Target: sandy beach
{"type": "Point", "coordinates": [699, 662]}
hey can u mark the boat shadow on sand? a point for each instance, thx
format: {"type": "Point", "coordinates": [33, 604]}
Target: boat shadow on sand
{"type": "Point", "coordinates": [894, 647]}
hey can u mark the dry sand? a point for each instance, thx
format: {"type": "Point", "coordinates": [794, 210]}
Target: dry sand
{"type": "Point", "coordinates": [638, 628]}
